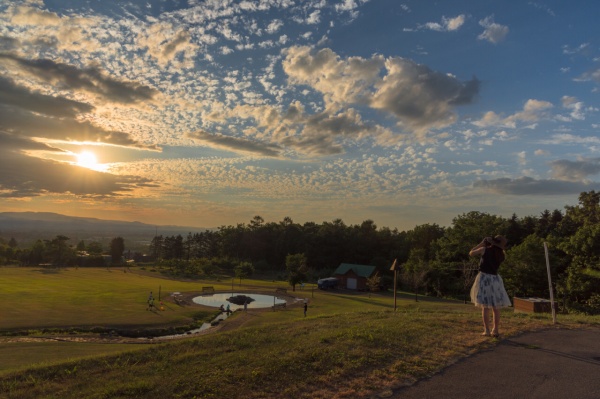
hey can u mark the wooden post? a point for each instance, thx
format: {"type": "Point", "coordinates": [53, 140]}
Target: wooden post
{"type": "Point", "coordinates": [550, 284]}
{"type": "Point", "coordinates": [394, 269]}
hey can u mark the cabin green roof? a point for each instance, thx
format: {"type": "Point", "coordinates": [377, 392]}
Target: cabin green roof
{"type": "Point", "coordinates": [359, 270]}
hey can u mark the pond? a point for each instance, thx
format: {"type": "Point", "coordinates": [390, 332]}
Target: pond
{"type": "Point", "coordinates": [216, 300]}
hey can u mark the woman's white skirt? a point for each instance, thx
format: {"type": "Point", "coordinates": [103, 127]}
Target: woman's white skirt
{"type": "Point", "coordinates": [488, 291]}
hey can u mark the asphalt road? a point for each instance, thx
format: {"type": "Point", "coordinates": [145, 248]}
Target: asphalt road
{"type": "Point", "coordinates": [549, 364]}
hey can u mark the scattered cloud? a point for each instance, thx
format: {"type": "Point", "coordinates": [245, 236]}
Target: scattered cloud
{"type": "Point", "coordinates": [493, 33]}
{"type": "Point", "coordinates": [447, 24]}
{"type": "Point", "coordinates": [575, 170]}
{"type": "Point", "coordinates": [533, 111]}
{"type": "Point", "coordinates": [530, 186]}
{"type": "Point", "coordinates": [235, 144]}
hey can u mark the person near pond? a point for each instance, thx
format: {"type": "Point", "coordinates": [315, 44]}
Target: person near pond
{"type": "Point", "coordinates": [488, 290]}
{"type": "Point", "coordinates": [305, 308]}
{"type": "Point", "coordinates": [221, 308]}
{"type": "Point", "coordinates": [228, 310]}
{"type": "Point", "coordinates": [150, 302]}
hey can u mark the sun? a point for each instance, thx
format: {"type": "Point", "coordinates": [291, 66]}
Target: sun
{"type": "Point", "coordinates": [87, 159]}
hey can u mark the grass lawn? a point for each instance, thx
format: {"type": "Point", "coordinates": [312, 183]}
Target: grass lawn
{"type": "Point", "coordinates": [350, 345]}
{"type": "Point", "coordinates": [37, 298]}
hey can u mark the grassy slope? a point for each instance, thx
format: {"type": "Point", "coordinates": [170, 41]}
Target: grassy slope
{"type": "Point", "coordinates": [36, 298]}
{"type": "Point", "coordinates": [349, 346]}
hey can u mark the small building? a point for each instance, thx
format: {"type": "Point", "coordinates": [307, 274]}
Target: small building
{"type": "Point", "coordinates": [353, 277]}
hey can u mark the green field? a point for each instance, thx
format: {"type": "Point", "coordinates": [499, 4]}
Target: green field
{"type": "Point", "coordinates": [351, 345]}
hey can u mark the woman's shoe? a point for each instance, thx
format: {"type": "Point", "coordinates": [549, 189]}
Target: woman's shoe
{"type": "Point", "coordinates": [495, 334]}
{"type": "Point", "coordinates": [486, 333]}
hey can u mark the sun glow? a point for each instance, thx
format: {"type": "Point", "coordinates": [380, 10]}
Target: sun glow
{"type": "Point", "coordinates": [87, 159]}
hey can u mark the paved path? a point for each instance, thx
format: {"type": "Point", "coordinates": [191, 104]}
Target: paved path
{"type": "Point", "coordinates": [545, 364]}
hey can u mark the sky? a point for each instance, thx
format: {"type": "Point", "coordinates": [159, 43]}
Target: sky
{"type": "Point", "coordinates": [209, 113]}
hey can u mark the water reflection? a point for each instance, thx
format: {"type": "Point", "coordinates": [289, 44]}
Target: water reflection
{"type": "Point", "coordinates": [216, 300]}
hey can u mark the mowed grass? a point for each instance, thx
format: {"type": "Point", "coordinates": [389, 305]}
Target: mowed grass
{"type": "Point", "coordinates": [37, 298]}
{"type": "Point", "coordinates": [349, 346]}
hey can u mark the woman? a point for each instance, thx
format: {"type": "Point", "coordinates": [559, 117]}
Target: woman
{"type": "Point", "coordinates": [488, 290]}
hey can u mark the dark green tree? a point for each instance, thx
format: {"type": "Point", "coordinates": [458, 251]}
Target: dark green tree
{"type": "Point", "coordinates": [296, 268]}
{"type": "Point", "coordinates": [243, 270]}
{"type": "Point", "coordinates": [60, 254]}
{"type": "Point", "coordinates": [95, 248]}
{"type": "Point", "coordinates": [117, 247]}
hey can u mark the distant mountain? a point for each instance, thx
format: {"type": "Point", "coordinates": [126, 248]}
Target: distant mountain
{"type": "Point", "coordinates": [31, 226]}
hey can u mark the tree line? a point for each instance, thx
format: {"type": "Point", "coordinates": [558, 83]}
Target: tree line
{"type": "Point", "coordinates": [433, 259]}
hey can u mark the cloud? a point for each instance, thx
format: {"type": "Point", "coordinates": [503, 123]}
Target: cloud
{"type": "Point", "coordinates": [340, 81]}
{"type": "Point", "coordinates": [19, 96]}
{"type": "Point", "coordinates": [23, 176]}
{"type": "Point", "coordinates": [29, 113]}
{"type": "Point", "coordinates": [319, 132]}
{"type": "Point", "coordinates": [447, 24]}
{"type": "Point", "coordinates": [49, 30]}
{"type": "Point", "coordinates": [90, 79]}
{"type": "Point", "coordinates": [529, 186]}
{"type": "Point", "coordinates": [570, 139]}
{"type": "Point", "coordinates": [493, 33]}
{"type": "Point", "coordinates": [165, 41]}
{"type": "Point", "coordinates": [420, 99]}
{"type": "Point", "coordinates": [235, 144]}
{"type": "Point", "coordinates": [575, 106]}
{"type": "Point", "coordinates": [316, 134]}
{"type": "Point", "coordinates": [24, 15]}
{"type": "Point", "coordinates": [590, 76]}
{"type": "Point", "coordinates": [575, 170]}
{"type": "Point", "coordinates": [533, 111]}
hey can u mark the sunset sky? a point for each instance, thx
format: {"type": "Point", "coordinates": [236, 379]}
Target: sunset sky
{"type": "Point", "coordinates": [208, 113]}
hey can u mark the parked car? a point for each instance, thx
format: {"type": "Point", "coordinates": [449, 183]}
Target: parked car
{"type": "Point", "coordinates": [328, 283]}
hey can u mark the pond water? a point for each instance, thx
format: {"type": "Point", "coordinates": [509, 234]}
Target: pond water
{"type": "Point", "coordinates": [216, 300]}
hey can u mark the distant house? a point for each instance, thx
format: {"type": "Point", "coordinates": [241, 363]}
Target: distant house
{"type": "Point", "coordinates": [353, 277]}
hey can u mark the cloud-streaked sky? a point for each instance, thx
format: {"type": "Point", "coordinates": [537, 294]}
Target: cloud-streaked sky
{"type": "Point", "coordinates": [207, 113]}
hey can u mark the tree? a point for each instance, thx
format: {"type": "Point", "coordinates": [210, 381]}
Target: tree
{"type": "Point", "coordinates": [117, 247]}
{"type": "Point", "coordinates": [156, 247]}
{"type": "Point", "coordinates": [373, 283]}
{"type": "Point", "coordinates": [59, 251]}
{"type": "Point", "coordinates": [524, 271]}
{"type": "Point", "coordinates": [296, 268]}
{"type": "Point", "coordinates": [469, 271]}
{"type": "Point", "coordinates": [414, 273]}
{"type": "Point", "coordinates": [95, 248]}
{"type": "Point", "coordinates": [36, 254]}
{"type": "Point", "coordinates": [80, 246]}
{"type": "Point", "coordinates": [243, 270]}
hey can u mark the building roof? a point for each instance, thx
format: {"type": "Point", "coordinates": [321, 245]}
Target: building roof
{"type": "Point", "coordinates": [359, 270]}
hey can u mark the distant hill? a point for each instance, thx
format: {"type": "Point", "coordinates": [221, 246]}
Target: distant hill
{"type": "Point", "coordinates": [27, 227]}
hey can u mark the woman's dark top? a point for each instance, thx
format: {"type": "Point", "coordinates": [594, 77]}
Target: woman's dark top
{"type": "Point", "coordinates": [491, 259]}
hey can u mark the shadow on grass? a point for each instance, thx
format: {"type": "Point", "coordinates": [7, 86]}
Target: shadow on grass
{"type": "Point", "coordinates": [407, 299]}
{"type": "Point", "coordinates": [49, 270]}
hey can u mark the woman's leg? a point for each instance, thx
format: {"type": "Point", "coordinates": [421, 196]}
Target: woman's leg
{"type": "Point", "coordinates": [485, 315]}
{"type": "Point", "coordinates": [496, 329]}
